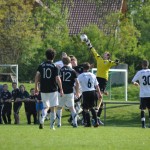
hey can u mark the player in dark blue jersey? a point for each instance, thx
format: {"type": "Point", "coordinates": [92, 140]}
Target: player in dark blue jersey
{"type": "Point", "coordinates": [68, 78]}
{"type": "Point", "coordinates": [47, 75]}
{"type": "Point", "coordinates": [16, 105]}
{"type": "Point", "coordinates": [22, 97]}
{"type": "Point", "coordinates": [31, 107]}
{"type": "Point", "coordinates": [6, 99]}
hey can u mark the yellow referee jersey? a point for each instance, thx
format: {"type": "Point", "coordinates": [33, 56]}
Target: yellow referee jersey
{"type": "Point", "coordinates": [103, 66]}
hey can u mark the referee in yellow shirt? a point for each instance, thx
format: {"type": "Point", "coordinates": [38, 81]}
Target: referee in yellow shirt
{"type": "Point", "coordinates": [103, 65]}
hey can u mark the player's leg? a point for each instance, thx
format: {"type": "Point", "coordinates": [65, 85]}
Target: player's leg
{"type": "Point", "coordinates": [16, 112]}
{"type": "Point", "coordinates": [45, 99]}
{"type": "Point", "coordinates": [86, 101]}
{"type": "Point", "coordinates": [9, 109]}
{"type": "Point", "coordinates": [59, 116]}
{"type": "Point", "coordinates": [53, 102]}
{"type": "Point", "coordinates": [61, 101]}
{"type": "Point", "coordinates": [70, 105]}
{"type": "Point", "coordinates": [1, 109]}
{"type": "Point", "coordinates": [143, 107]}
{"type": "Point", "coordinates": [102, 85]}
{"type": "Point", "coordinates": [4, 114]}
{"type": "Point", "coordinates": [35, 117]}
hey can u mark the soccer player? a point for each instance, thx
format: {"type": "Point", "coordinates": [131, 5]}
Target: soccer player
{"type": "Point", "coordinates": [6, 98]}
{"type": "Point", "coordinates": [143, 77]}
{"type": "Point", "coordinates": [88, 83]}
{"type": "Point", "coordinates": [48, 76]}
{"type": "Point", "coordinates": [16, 105]}
{"type": "Point", "coordinates": [31, 104]}
{"type": "Point", "coordinates": [103, 65]}
{"type": "Point", "coordinates": [1, 105]}
{"type": "Point", "coordinates": [22, 97]}
{"type": "Point", "coordinates": [68, 78]}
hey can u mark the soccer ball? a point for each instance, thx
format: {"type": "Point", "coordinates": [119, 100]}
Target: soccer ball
{"type": "Point", "coordinates": [83, 37]}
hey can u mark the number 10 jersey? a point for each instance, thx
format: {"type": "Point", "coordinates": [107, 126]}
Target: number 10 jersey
{"type": "Point", "coordinates": [48, 72]}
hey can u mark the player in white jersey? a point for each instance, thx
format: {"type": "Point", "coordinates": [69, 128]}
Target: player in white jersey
{"type": "Point", "coordinates": [89, 83]}
{"type": "Point", "coordinates": [143, 78]}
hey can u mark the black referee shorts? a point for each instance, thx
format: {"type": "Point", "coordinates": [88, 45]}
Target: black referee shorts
{"type": "Point", "coordinates": [88, 99]}
{"type": "Point", "coordinates": [102, 83]}
{"type": "Point", "coordinates": [145, 103]}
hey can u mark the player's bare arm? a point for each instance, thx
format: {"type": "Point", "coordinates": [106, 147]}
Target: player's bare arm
{"type": "Point", "coordinates": [37, 79]}
{"type": "Point", "coordinates": [58, 80]}
{"type": "Point", "coordinates": [77, 87]}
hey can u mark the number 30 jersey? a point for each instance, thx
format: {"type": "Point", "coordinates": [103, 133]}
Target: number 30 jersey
{"type": "Point", "coordinates": [48, 72]}
{"type": "Point", "coordinates": [68, 76]}
{"type": "Point", "coordinates": [87, 81]}
{"type": "Point", "coordinates": [143, 76]}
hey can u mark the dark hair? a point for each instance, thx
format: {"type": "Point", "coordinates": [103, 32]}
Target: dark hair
{"type": "Point", "coordinates": [86, 66]}
{"type": "Point", "coordinates": [21, 86]}
{"type": "Point", "coordinates": [14, 83]}
{"type": "Point", "coordinates": [50, 54]}
{"type": "Point", "coordinates": [5, 85]}
{"type": "Point", "coordinates": [145, 63]}
{"type": "Point", "coordinates": [66, 60]}
{"type": "Point", "coordinates": [31, 89]}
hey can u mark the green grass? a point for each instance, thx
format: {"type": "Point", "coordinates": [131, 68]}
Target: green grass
{"type": "Point", "coordinates": [122, 131]}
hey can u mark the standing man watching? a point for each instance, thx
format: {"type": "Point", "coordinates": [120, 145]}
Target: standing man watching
{"type": "Point", "coordinates": [47, 75]}
{"type": "Point", "coordinates": [143, 78]}
{"type": "Point", "coordinates": [103, 65]}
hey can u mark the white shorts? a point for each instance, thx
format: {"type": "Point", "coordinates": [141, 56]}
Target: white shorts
{"type": "Point", "coordinates": [66, 100]}
{"type": "Point", "coordinates": [49, 99]}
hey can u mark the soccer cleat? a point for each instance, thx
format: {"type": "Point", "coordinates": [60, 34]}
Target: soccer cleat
{"type": "Point", "coordinates": [58, 125]}
{"type": "Point", "coordinates": [96, 125]}
{"type": "Point", "coordinates": [87, 125]}
{"type": "Point", "coordinates": [52, 127]}
{"type": "Point", "coordinates": [74, 125]}
{"type": "Point", "coordinates": [41, 126]}
{"type": "Point", "coordinates": [143, 126]}
{"type": "Point", "coordinates": [100, 122]}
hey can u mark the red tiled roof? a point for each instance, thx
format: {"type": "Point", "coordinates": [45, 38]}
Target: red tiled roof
{"type": "Point", "coordinates": [84, 12]}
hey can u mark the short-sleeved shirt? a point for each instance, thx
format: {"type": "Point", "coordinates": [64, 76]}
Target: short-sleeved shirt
{"type": "Point", "coordinates": [15, 94]}
{"type": "Point", "coordinates": [103, 66]}
{"type": "Point", "coordinates": [87, 81]}
{"type": "Point", "coordinates": [143, 76]}
{"type": "Point", "coordinates": [48, 72]}
{"type": "Point", "coordinates": [5, 95]}
{"type": "Point", "coordinates": [68, 76]}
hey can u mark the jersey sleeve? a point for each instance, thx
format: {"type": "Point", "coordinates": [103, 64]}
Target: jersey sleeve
{"type": "Point", "coordinates": [96, 55]}
{"type": "Point", "coordinates": [136, 77]}
{"type": "Point", "coordinates": [56, 72]}
{"type": "Point", "coordinates": [112, 63]}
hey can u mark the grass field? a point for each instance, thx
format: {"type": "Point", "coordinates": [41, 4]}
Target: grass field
{"type": "Point", "coordinates": [122, 131]}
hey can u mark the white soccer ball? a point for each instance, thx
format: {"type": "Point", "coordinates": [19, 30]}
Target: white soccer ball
{"type": "Point", "coordinates": [83, 37]}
